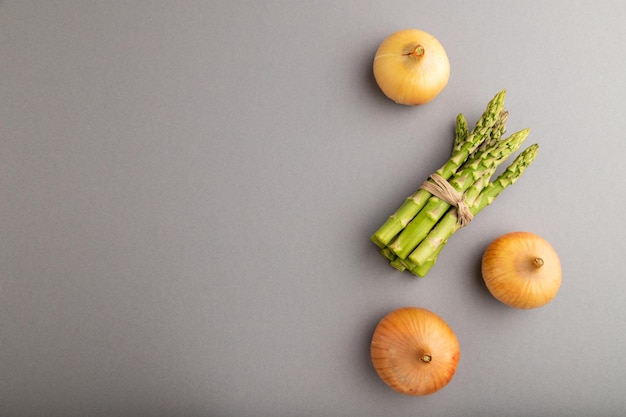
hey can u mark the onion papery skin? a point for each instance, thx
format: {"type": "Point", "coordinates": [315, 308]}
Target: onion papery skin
{"type": "Point", "coordinates": [407, 77]}
{"type": "Point", "coordinates": [414, 351]}
{"type": "Point", "coordinates": [513, 275]}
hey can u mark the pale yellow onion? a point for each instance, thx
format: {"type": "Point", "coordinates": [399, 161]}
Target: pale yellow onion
{"type": "Point", "coordinates": [522, 270]}
{"type": "Point", "coordinates": [414, 351]}
{"type": "Point", "coordinates": [411, 67]}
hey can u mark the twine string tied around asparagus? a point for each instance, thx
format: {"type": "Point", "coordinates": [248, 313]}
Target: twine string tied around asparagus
{"type": "Point", "coordinates": [442, 189]}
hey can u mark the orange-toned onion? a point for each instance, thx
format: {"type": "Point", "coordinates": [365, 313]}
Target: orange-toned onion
{"type": "Point", "coordinates": [414, 351]}
{"type": "Point", "coordinates": [411, 67]}
{"type": "Point", "coordinates": [522, 270]}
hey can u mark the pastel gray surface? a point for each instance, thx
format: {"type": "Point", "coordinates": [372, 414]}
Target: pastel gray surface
{"type": "Point", "coordinates": [188, 190]}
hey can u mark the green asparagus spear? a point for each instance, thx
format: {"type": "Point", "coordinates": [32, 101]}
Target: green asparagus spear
{"type": "Point", "coordinates": [460, 132]}
{"type": "Point", "coordinates": [387, 253]}
{"type": "Point", "coordinates": [425, 255]}
{"type": "Point", "coordinates": [398, 264]}
{"type": "Point", "coordinates": [414, 203]}
{"type": "Point", "coordinates": [471, 194]}
{"type": "Point", "coordinates": [484, 164]}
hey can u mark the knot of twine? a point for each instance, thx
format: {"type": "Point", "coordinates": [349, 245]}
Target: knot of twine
{"type": "Point", "coordinates": [442, 189]}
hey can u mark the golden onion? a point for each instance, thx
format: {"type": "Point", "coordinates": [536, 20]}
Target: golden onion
{"type": "Point", "coordinates": [411, 67]}
{"type": "Point", "coordinates": [414, 351]}
{"type": "Point", "coordinates": [522, 270]}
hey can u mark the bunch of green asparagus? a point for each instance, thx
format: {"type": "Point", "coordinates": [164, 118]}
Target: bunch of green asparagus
{"type": "Point", "coordinates": [412, 238]}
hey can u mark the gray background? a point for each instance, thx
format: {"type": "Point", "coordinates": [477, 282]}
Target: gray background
{"type": "Point", "coordinates": [188, 189]}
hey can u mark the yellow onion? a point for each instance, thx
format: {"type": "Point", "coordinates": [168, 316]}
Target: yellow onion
{"type": "Point", "coordinates": [522, 270]}
{"type": "Point", "coordinates": [411, 67]}
{"type": "Point", "coordinates": [414, 351]}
